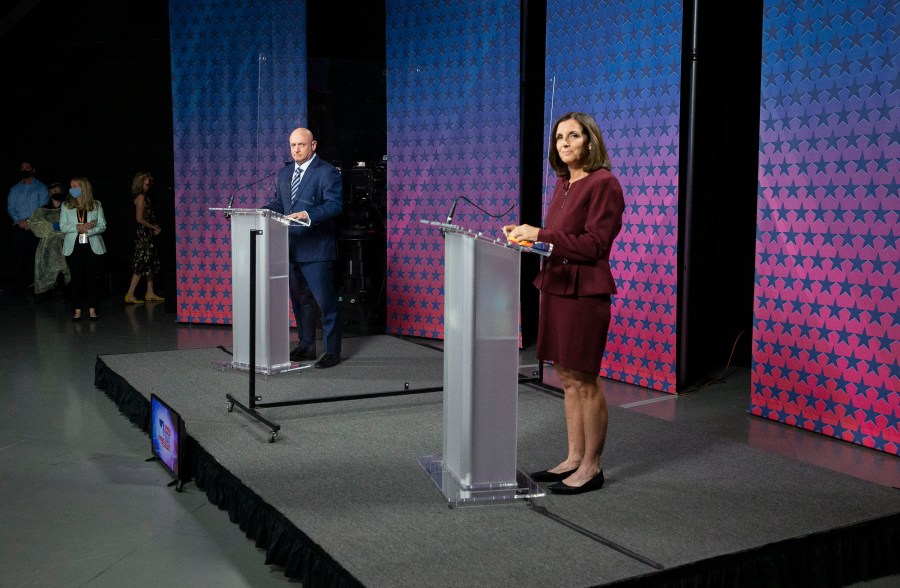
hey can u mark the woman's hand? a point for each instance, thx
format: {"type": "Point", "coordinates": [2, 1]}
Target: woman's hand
{"type": "Point", "coordinates": [156, 229]}
{"type": "Point", "coordinates": [521, 233]}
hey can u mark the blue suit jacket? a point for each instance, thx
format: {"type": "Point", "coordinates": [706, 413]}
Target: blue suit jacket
{"type": "Point", "coordinates": [322, 197]}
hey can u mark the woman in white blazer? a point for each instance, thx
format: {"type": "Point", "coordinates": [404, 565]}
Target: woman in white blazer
{"type": "Point", "coordinates": [81, 219]}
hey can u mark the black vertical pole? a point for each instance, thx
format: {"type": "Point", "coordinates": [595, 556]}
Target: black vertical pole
{"type": "Point", "coordinates": [253, 235]}
{"type": "Point", "coordinates": [532, 149]}
{"type": "Point", "coordinates": [685, 210]}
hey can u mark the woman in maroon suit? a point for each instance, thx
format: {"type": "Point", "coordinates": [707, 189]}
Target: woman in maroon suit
{"type": "Point", "coordinates": [584, 217]}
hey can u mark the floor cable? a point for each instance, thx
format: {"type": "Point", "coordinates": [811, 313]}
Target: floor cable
{"type": "Point", "coordinates": [591, 535]}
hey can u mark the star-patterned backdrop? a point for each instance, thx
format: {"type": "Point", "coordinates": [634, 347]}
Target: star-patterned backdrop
{"type": "Point", "coordinates": [238, 89]}
{"type": "Point", "coordinates": [452, 132]}
{"type": "Point", "coordinates": [826, 335]}
{"type": "Point", "coordinates": [621, 63]}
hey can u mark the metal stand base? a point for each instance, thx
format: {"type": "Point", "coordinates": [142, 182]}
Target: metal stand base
{"type": "Point", "coordinates": [457, 495]}
{"type": "Point", "coordinates": [273, 427]}
{"type": "Point", "coordinates": [293, 366]}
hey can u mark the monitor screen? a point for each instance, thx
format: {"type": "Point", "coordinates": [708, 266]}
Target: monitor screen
{"type": "Point", "coordinates": [166, 435]}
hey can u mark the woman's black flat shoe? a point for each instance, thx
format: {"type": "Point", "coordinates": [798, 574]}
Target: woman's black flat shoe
{"type": "Point", "coordinates": [547, 476]}
{"type": "Point", "coordinates": [77, 318]}
{"type": "Point", "coordinates": [94, 318]}
{"type": "Point", "coordinates": [594, 483]}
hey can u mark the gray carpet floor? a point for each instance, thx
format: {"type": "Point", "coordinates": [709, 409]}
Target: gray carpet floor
{"type": "Point", "coordinates": [346, 474]}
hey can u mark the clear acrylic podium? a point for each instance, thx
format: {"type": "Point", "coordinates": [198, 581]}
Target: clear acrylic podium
{"type": "Point", "coordinates": [481, 361]}
{"type": "Point", "coordinates": [272, 321]}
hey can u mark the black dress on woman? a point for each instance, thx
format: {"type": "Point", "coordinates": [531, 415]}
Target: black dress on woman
{"type": "Point", "coordinates": [146, 260]}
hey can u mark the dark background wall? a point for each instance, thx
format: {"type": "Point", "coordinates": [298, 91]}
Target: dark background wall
{"type": "Point", "coordinates": [717, 233]}
{"type": "Point", "coordinates": [88, 93]}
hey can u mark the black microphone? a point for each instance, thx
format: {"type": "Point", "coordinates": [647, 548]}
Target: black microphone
{"type": "Point", "coordinates": [253, 183]}
{"type": "Point", "coordinates": [449, 220]}
{"type": "Point", "coordinates": [452, 210]}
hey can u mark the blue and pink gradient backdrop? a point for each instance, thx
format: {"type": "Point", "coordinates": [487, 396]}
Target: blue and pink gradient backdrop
{"type": "Point", "coordinates": [621, 63]}
{"type": "Point", "coordinates": [826, 336]}
{"type": "Point", "coordinates": [826, 329]}
{"type": "Point", "coordinates": [452, 131]}
{"type": "Point", "coordinates": [238, 90]}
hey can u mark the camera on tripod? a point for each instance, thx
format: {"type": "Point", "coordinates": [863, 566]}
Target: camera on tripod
{"type": "Point", "coordinates": [365, 197]}
{"type": "Point", "coordinates": [363, 248]}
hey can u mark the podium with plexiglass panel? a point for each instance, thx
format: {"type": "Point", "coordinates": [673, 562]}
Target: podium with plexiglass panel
{"type": "Point", "coordinates": [272, 298]}
{"type": "Point", "coordinates": [481, 362]}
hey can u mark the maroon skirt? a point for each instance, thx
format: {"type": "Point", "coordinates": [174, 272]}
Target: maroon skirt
{"type": "Point", "coordinates": [572, 330]}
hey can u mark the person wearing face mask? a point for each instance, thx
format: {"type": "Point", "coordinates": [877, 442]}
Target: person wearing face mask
{"type": "Point", "coordinates": [82, 221]}
{"type": "Point", "coordinates": [583, 220]}
{"type": "Point", "coordinates": [24, 198]}
{"type": "Point", "coordinates": [50, 267]}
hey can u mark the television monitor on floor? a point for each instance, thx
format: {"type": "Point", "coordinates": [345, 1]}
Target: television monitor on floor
{"type": "Point", "coordinates": [167, 438]}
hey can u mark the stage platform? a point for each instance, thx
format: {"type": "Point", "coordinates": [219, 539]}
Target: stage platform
{"type": "Point", "coordinates": [340, 500]}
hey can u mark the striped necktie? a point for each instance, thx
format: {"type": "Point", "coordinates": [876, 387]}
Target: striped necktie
{"type": "Point", "coordinates": [295, 184]}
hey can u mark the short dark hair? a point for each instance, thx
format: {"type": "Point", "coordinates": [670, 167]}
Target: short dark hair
{"type": "Point", "coordinates": [597, 157]}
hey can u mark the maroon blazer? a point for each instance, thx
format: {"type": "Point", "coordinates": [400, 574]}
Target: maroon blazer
{"type": "Point", "coordinates": [582, 222]}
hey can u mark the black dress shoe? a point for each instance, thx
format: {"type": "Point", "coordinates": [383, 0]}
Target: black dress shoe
{"type": "Point", "coordinates": [77, 318]}
{"type": "Point", "coordinates": [94, 318]}
{"type": "Point", "coordinates": [594, 483]}
{"type": "Point", "coordinates": [328, 360]}
{"type": "Point", "coordinates": [547, 476]}
{"type": "Point", "coordinates": [301, 353]}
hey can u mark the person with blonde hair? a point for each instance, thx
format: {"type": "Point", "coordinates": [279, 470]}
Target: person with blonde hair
{"type": "Point", "coordinates": [82, 221]}
{"type": "Point", "coordinates": [146, 259]}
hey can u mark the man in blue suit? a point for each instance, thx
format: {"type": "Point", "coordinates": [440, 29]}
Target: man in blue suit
{"type": "Point", "coordinates": [312, 190]}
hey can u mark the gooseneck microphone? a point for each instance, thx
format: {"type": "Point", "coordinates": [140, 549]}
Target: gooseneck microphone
{"type": "Point", "coordinates": [250, 185]}
{"type": "Point", "coordinates": [449, 220]}
{"type": "Point", "coordinates": [456, 200]}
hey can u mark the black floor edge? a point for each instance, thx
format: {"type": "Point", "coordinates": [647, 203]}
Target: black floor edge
{"type": "Point", "coordinates": [833, 558]}
{"type": "Point", "coordinates": [285, 544]}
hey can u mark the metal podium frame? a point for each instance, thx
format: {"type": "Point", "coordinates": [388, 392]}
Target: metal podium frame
{"type": "Point", "coordinates": [276, 247]}
{"type": "Point", "coordinates": [268, 322]}
{"type": "Point", "coordinates": [481, 357]}
{"type": "Point", "coordinates": [272, 321]}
